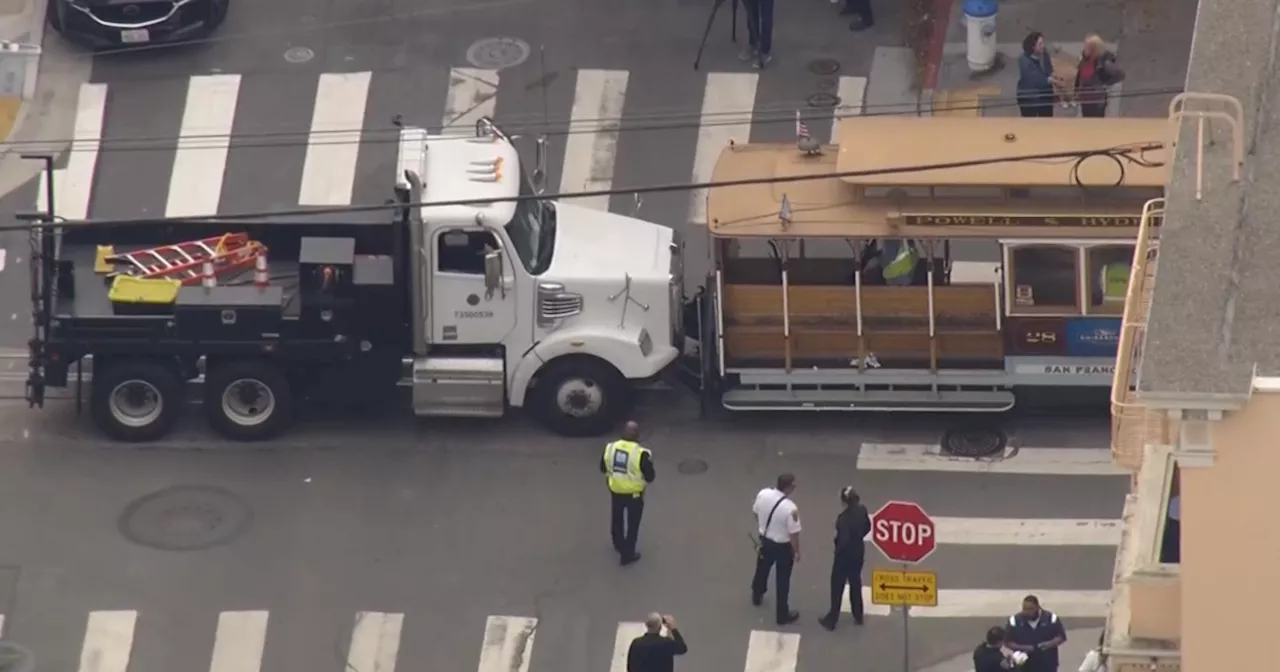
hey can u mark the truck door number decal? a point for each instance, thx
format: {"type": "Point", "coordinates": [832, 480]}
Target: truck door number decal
{"type": "Point", "coordinates": [473, 314]}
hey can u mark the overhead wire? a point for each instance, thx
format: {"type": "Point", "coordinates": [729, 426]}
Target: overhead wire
{"type": "Point", "coordinates": [516, 125]}
{"type": "Point", "coordinates": [1126, 152]}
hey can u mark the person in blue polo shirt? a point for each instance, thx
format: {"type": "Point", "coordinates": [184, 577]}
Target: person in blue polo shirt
{"type": "Point", "coordinates": [1038, 633]}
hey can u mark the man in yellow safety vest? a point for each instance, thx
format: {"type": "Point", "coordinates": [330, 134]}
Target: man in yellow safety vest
{"type": "Point", "coordinates": [629, 468]}
{"type": "Point", "coordinates": [902, 269]}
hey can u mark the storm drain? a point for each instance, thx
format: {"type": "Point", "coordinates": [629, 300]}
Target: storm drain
{"type": "Point", "coordinates": [824, 100]}
{"type": "Point", "coordinates": [496, 53]}
{"type": "Point", "coordinates": [16, 658]}
{"type": "Point", "coordinates": [974, 442]}
{"type": "Point", "coordinates": [185, 518]}
{"type": "Point", "coordinates": [692, 466]}
{"type": "Point", "coordinates": [824, 66]}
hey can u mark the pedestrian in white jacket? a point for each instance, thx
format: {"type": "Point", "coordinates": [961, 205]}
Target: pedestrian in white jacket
{"type": "Point", "coordinates": [1095, 660]}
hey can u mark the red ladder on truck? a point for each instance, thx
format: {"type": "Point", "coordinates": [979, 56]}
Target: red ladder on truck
{"type": "Point", "coordinates": [184, 262]}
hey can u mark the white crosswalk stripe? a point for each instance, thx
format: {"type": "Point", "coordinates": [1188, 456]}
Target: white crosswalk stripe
{"type": "Point", "coordinates": [73, 184]}
{"type": "Point", "coordinates": [329, 171]}
{"type": "Point", "coordinates": [591, 148]}
{"type": "Point", "coordinates": [195, 185]}
{"type": "Point", "coordinates": [108, 641]}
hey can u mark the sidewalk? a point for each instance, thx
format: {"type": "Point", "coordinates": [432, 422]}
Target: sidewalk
{"type": "Point", "coordinates": [1069, 656]}
{"type": "Point", "coordinates": [1151, 38]}
{"type": "Point", "coordinates": [37, 94]}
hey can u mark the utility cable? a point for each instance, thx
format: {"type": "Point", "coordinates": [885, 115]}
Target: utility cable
{"type": "Point", "coordinates": [511, 125]}
{"type": "Point", "coordinates": [1127, 152]}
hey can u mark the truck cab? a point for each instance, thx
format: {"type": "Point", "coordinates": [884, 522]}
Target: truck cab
{"type": "Point", "coordinates": [521, 301]}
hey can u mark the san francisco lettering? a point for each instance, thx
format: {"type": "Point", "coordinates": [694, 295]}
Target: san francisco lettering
{"type": "Point", "coordinates": [1095, 221]}
{"type": "Point", "coordinates": [1079, 370]}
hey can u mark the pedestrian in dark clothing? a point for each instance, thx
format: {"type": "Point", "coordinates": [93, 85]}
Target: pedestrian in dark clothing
{"type": "Point", "coordinates": [628, 467]}
{"type": "Point", "coordinates": [1097, 71]}
{"type": "Point", "coordinates": [989, 657]}
{"type": "Point", "coordinates": [1038, 633]}
{"type": "Point", "coordinates": [852, 527]}
{"type": "Point", "coordinates": [1035, 78]}
{"type": "Point", "coordinates": [860, 10]}
{"type": "Point", "coordinates": [759, 32]}
{"type": "Point", "coordinates": [653, 651]}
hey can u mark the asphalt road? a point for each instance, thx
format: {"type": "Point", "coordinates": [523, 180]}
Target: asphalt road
{"type": "Point", "coordinates": [451, 526]}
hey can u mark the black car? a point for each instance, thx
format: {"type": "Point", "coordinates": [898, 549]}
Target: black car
{"type": "Point", "coordinates": [131, 23]}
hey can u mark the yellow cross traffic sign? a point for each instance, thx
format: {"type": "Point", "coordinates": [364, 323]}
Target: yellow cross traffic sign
{"type": "Point", "coordinates": [896, 587]}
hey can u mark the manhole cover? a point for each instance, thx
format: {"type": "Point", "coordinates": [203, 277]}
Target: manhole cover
{"type": "Point", "coordinates": [16, 658]}
{"type": "Point", "coordinates": [495, 53]}
{"type": "Point", "coordinates": [823, 99]}
{"type": "Point", "coordinates": [692, 466]}
{"type": "Point", "coordinates": [824, 66]}
{"type": "Point", "coordinates": [828, 83]}
{"type": "Point", "coordinates": [974, 442]}
{"type": "Point", "coordinates": [299, 54]}
{"type": "Point", "coordinates": [185, 518]}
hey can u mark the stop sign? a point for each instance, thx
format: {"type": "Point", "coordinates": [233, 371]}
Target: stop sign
{"type": "Point", "coordinates": [903, 532]}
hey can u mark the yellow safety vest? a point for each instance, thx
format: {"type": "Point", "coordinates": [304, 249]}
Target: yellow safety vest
{"type": "Point", "coordinates": [903, 266]}
{"type": "Point", "coordinates": [1115, 282]}
{"type": "Point", "coordinates": [622, 460]}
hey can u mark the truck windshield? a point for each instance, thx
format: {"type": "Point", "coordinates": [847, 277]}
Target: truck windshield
{"type": "Point", "coordinates": [532, 230]}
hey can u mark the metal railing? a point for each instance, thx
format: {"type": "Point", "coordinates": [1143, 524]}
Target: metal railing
{"type": "Point", "coordinates": [1128, 417]}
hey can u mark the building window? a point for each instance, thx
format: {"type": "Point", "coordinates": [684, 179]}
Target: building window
{"type": "Point", "coordinates": [1043, 280]}
{"type": "Point", "coordinates": [1107, 277]}
{"type": "Point", "coordinates": [1171, 540]}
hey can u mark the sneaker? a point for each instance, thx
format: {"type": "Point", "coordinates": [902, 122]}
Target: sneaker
{"type": "Point", "coordinates": [748, 54]}
{"type": "Point", "coordinates": [762, 61]}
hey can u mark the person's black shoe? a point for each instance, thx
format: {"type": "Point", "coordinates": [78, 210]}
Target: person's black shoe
{"type": "Point", "coordinates": [757, 599]}
{"type": "Point", "coordinates": [791, 617]}
{"type": "Point", "coordinates": [630, 559]}
{"type": "Point", "coordinates": [857, 620]}
{"type": "Point", "coordinates": [847, 11]}
{"type": "Point", "coordinates": [828, 621]}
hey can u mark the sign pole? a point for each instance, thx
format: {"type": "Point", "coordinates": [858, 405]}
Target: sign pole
{"type": "Point", "coordinates": [906, 631]}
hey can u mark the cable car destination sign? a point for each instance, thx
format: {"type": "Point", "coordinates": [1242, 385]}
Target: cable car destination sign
{"type": "Point", "coordinates": [1001, 221]}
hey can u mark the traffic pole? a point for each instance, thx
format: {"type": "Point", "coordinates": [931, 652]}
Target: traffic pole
{"type": "Point", "coordinates": [906, 631]}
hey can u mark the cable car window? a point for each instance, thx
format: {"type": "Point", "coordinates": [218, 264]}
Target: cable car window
{"type": "Point", "coordinates": [1107, 268]}
{"type": "Point", "coordinates": [1044, 280]}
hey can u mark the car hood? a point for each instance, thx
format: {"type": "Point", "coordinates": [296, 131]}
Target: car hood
{"type": "Point", "coordinates": [591, 243]}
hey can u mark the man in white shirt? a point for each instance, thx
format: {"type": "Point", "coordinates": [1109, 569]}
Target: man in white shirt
{"type": "Point", "coordinates": [778, 521]}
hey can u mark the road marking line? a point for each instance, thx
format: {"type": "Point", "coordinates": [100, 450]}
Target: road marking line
{"type": "Point", "coordinates": [333, 145]}
{"type": "Point", "coordinates": [1047, 461]}
{"type": "Point", "coordinates": [375, 642]}
{"type": "Point", "coordinates": [108, 640]}
{"type": "Point", "coordinates": [770, 651]}
{"type": "Point", "coordinates": [3, 253]}
{"type": "Point", "coordinates": [627, 632]}
{"type": "Point", "coordinates": [1, 625]}
{"type": "Point", "coordinates": [74, 184]}
{"type": "Point", "coordinates": [852, 92]}
{"type": "Point", "coordinates": [727, 103]}
{"type": "Point", "coordinates": [508, 643]}
{"type": "Point", "coordinates": [195, 185]}
{"type": "Point", "coordinates": [591, 148]}
{"type": "Point", "coordinates": [239, 642]}
{"type": "Point", "coordinates": [1027, 531]}
{"type": "Point", "coordinates": [961, 603]}
{"type": "Point", "coordinates": [473, 93]}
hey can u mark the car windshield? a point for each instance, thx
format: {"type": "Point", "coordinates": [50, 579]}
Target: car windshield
{"type": "Point", "coordinates": [532, 230]}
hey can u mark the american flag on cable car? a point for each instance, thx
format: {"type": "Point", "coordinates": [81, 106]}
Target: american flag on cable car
{"type": "Point", "coordinates": [802, 131]}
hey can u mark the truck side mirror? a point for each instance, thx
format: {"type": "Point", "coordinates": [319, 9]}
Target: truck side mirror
{"type": "Point", "coordinates": [493, 274]}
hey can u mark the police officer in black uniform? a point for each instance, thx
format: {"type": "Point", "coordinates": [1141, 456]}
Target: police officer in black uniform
{"type": "Point", "coordinates": [852, 526]}
{"type": "Point", "coordinates": [1038, 633]}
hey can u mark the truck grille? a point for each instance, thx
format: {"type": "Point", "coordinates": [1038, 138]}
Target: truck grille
{"type": "Point", "coordinates": [555, 304]}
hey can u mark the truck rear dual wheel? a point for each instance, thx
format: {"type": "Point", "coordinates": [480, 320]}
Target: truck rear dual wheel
{"type": "Point", "coordinates": [135, 400]}
{"type": "Point", "coordinates": [248, 400]}
{"type": "Point", "coordinates": [580, 396]}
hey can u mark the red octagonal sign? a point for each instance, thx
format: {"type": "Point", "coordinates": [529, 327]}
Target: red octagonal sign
{"type": "Point", "coordinates": [903, 532]}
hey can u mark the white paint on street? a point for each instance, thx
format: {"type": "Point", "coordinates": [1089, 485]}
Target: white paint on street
{"type": "Point", "coordinates": [852, 91]}
{"type": "Point", "coordinates": [329, 170]}
{"type": "Point", "coordinates": [770, 651]}
{"type": "Point", "coordinates": [591, 147]}
{"type": "Point", "coordinates": [627, 632]}
{"type": "Point", "coordinates": [1034, 461]}
{"type": "Point", "coordinates": [3, 254]}
{"type": "Point", "coordinates": [727, 103]}
{"type": "Point", "coordinates": [375, 642]}
{"type": "Point", "coordinates": [195, 184]}
{"type": "Point", "coordinates": [239, 641]}
{"type": "Point", "coordinates": [74, 184]}
{"type": "Point", "coordinates": [508, 644]}
{"type": "Point", "coordinates": [995, 604]}
{"type": "Point", "coordinates": [108, 641]}
{"type": "Point", "coordinates": [473, 93]}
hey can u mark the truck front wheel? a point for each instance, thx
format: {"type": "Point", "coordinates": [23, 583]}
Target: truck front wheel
{"type": "Point", "coordinates": [247, 400]}
{"type": "Point", "coordinates": [580, 396]}
{"type": "Point", "coordinates": [135, 400]}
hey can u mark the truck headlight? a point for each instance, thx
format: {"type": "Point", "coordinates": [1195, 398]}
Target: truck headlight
{"type": "Point", "coordinates": [645, 342]}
